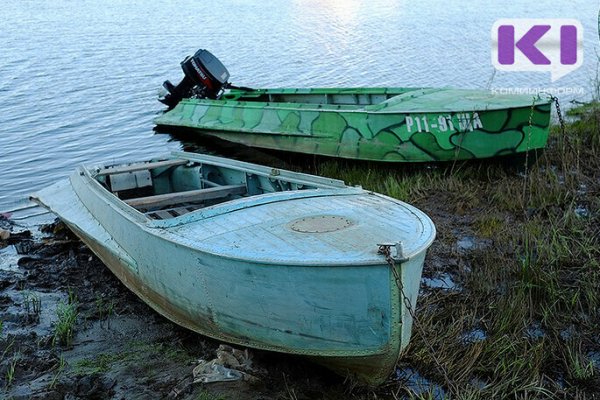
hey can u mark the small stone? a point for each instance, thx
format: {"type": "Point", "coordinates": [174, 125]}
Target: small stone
{"type": "Point", "coordinates": [4, 234]}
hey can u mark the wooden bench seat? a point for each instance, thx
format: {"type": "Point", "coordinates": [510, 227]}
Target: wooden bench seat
{"type": "Point", "coordinates": [190, 196]}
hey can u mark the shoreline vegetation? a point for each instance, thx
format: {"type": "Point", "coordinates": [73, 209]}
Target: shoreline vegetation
{"type": "Point", "coordinates": [509, 304]}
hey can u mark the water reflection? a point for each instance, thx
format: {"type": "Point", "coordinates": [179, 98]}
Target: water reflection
{"type": "Point", "coordinates": [80, 84]}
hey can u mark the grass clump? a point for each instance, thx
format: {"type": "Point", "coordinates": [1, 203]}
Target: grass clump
{"type": "Point", "coordinates": [32, 304]}
{"type": "Point", "coordinates": [584, 109]}
{"type": "Point", "coordinates": [381, 180]}
{"type": "Point", "coordinates": [101, 362]}
{"type": "Point", "coordinates": [206, 395]}
{"type": "Point", "coordinates": [59, 370]}
{"type": "Point", "coordinates": [10, 371]}
{"type": "Point", "coordinates": [579, 367]}
{"type": "Point", "coordinates": [64, 327]}
{"type": "Point", "coordinates": [164, 350]}
{"type": "Point", "coordinates": [488, 225]}
{"type": "Point", "coordinates": [143, 354]}
{"type": "Point", "coordinates": [105, 309]}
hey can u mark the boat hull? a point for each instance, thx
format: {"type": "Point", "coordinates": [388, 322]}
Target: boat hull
{"type": "Point", "coordinates": [397, 130]}
{"type": "Point", "coordinates": [292, 309]}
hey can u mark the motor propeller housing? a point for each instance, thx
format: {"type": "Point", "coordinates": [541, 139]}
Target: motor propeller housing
{"type": "Point", "coordinates": [204, 77]}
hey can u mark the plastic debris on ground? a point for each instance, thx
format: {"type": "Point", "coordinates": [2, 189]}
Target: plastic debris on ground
{"type": "Point", "coordinates": [230, 365]}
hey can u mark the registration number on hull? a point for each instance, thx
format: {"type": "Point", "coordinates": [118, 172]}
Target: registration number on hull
{"type": "Point", "coordinates": [461, 122]}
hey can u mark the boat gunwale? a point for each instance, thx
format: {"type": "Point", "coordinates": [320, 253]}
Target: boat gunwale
{"type": "Point", "coordinates": [255, 169]}
{"type": "Point", "coordinates": [375, 109]}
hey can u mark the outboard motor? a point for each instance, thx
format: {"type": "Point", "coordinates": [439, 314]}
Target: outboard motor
{"type": "Point", "coordinates": [205, 77]}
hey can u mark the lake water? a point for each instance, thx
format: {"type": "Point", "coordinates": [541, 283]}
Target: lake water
{"type": "Point", "coordinates": [79, 80]}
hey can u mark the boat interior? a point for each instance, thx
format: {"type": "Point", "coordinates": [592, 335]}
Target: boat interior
{"type": "Point", "coordinates": [164, 189]}
{"type": "Point", "coordinates": [339, 97]}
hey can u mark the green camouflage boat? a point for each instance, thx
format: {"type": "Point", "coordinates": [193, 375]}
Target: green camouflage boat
{"type": "Point", "coordinates": [379, 124]}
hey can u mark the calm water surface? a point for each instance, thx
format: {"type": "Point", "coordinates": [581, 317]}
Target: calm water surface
{"type": "Point", "coordinates": [79, 80]}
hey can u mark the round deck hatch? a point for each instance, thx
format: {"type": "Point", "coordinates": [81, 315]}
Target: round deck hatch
{"type": "Point", "coordinates": [320, 224]}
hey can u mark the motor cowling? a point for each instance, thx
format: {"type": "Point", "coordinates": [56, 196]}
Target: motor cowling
{"type": "Point", "coordinates": [204, 77]}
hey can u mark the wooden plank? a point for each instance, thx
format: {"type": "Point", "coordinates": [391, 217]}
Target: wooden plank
{"type": "Point", "coordinates": [176, 212]}
{"type": "Point", "coordinates": [140, 167]}
{"type": "Point", "coordinates": [183, 210]}
{"type": "Point", "coordinates": [162, 214]}
{"type": "Point", "coordinates": [163, 200]}
{"type": "Point", "coordinates": [173, 212]}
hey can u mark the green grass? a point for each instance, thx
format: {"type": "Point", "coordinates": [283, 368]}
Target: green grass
{"type": "Point", "coordinates": [59, 370]}
{"type": "Point", "coordinates": [138, 353]}
{"type": "Point", "coordinates": [488, 225]}
{"type": "Point", "coordinates": [404, 188]}
{"type": "Point", "coordinates": [166, 351]}
{"type": "Point", "coordinates": [64, 327]}
{"type": "Point", "coordinates": [32, 305]}
{"type": "Point", "coordinates": [583, 110]}
{"type": "Point", "coordinates": [105, 308]}
{"type": "Point", "coordinates": [579, 367]}
{"type": "Point", "coordinates": [11, 369]}
{"type": "Point", "coordinates": [206, 395]}
{"type": "Point", "coordinates": [101, 362]}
